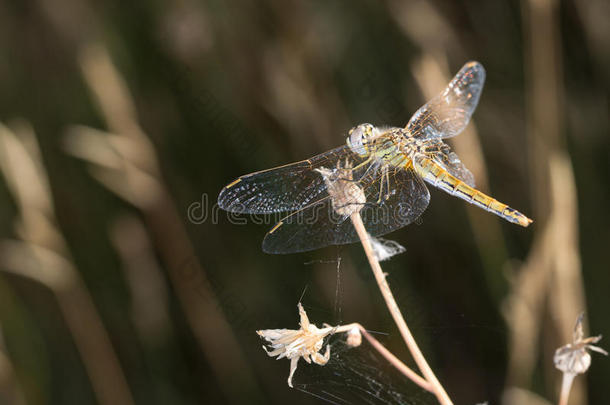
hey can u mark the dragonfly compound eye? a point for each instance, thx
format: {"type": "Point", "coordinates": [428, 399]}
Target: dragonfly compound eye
{"type": "Point", "coordinates": [358, 137]}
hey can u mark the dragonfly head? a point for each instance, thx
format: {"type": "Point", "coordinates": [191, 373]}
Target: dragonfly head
{"type": "Point", "coordinates": [358, 138]}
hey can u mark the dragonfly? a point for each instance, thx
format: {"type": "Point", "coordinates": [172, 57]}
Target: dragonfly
{"type": "Point", "coordinates": [389, 166]}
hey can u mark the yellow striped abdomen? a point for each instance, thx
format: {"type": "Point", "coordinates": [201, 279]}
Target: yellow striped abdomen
{"type": "Point", "coordinates": [436, 175]}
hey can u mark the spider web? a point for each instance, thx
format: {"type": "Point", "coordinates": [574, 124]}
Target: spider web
{"type": "Point", "coordinates": [358, 375]}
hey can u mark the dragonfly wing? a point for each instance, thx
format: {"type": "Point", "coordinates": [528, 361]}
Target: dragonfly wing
{"type": "Point", "coordinates": [447, 114]}
{"type": "Point", "coordinates": [455, 166]}
{"type": "Point", "coordinates": [452, 163]}
{"type": "Point", "coordinates": [285, 188]}
{"type": "Point", "coordinates": [319, 225]}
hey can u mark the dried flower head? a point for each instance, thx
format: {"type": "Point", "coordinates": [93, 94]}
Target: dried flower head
{"type": "Point", "coordinates": [347, 197]}
{"type": "Point", "coordinates": [354, 337]}
{"type": "Point", "coordinates": [574, 358]}
{"type": "Point", "coordinates": [294, 344]}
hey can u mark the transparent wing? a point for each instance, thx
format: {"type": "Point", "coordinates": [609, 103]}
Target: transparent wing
{"type": "Point", "coordinates": [319, 225]}
{"type": "Point", "coordinates": [447, 114]}
{"type": "Point", "coordinates": [442, 154]}
{"type": "Point", "coordinates": [285, 188]}
{"type": "Point", "coordinates": [454, 165]}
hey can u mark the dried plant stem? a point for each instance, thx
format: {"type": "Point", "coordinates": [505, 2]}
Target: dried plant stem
{"type": "Point", "coordinates": [54, 270]}
{"type": "Point", "coordinates": [389, 356]}
{"type": "Point", "coordinates": [42, 255]}
{"type": "Point", "coordinates": [136, 177]}
{"type": "Point", "coordinates": [566, 386]}
{"type": "Point", "coordinates": [94, 345]}
{"type": "Point", "coordinates": [408, 338]}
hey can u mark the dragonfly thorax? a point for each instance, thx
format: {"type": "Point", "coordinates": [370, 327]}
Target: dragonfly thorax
{"type": "Point", "coordinates": [359, 137]}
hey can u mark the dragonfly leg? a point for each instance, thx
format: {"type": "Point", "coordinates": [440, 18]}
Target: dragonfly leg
{"type": "Point", "coordinates": [387, 179]}
{"type": "Point", "coordinates": [379, 198]}
{"type": "Point", "coordinates": [367, 161]}
{"type": "Point", "coordinates": [384, 178]}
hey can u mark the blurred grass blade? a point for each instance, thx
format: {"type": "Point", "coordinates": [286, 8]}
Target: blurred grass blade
{"type": "Point", "coordinates": [43, 256]}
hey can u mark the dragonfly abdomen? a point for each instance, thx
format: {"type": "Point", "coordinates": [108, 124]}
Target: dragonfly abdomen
{"type": "Point", "coordinates": [439, 177]}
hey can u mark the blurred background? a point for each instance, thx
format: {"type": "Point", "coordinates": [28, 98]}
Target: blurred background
{"type": "Point", "coordinates": [122, 283]}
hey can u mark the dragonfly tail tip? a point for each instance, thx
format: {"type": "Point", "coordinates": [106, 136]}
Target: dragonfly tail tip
{"type": "Point", "coordinates": [525, 221]}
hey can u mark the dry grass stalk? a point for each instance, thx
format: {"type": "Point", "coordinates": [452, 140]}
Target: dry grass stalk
{"type": "Point", "coordinates": [125, 161]}
{"type": "Point", "coordinates": [149, 295]}
{"type": "Point", "coordinates": [551, 273]}
{"type": "Point", "coordinates": [10, 389]}
{"type": "Point", "coordinates": [437, 388]}
{"type": "Point", "coordinates": [347, 199]}
{"type": "Point", "coordinates": [536, 280]}
{"type": "Point", "coordinates": [42, 255]}
{"type": "Point", "coordinates": [552, 270]}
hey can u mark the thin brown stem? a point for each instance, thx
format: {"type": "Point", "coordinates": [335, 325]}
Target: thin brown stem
{"type": "Point", "coordinates": [141, 183]}
{"type": "Point", "coordinates": [408, 338]}
{"type": "Point", "coordinates": [389, 356]}
{"type": "Point", "coordinates": [94, 345]}
{"type": "Point", "coordinates": [43, 256]}
{"type": "Point", "coordinates": [566, 387]}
